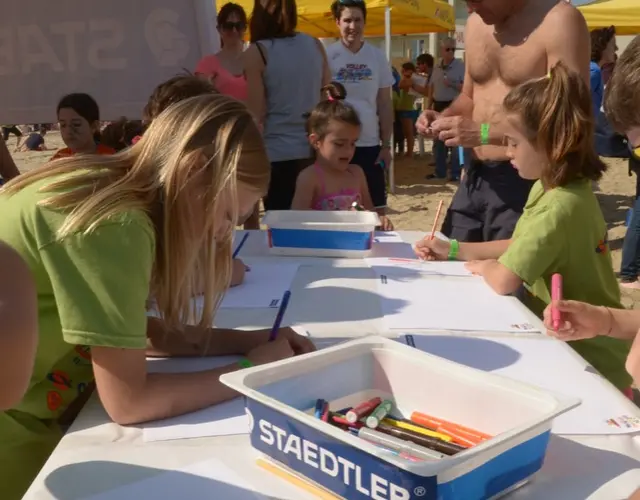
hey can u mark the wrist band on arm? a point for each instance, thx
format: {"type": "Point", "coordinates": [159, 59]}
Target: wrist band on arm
{"type": "Point", "coordinates": [245, 363]}
{"type": "Point", "coordinates": [484, 134]}
{"type": "Point", "coordinates": [454, 248]}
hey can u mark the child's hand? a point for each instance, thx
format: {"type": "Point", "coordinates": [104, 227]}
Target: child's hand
{"type": "Point", "coordinates": [581, 320]}
{"type": "Point", "coordinates": [385, 223]}
{"type": "Point", "coordinates": [633, 367]}
{"type": "Point", "coordinates": [478, 267]}
{"type": "Point", "coordinates": [237, 273]}
{"type": "Point", "coordinates": [432, 249]}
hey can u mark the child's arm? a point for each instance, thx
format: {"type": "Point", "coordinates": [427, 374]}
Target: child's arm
{"type": "Point", "coordinates": [305, 189]}
{"type": "Point", "coordinates": [500, 278]}
{"type": "Point", "coordinates": [438, 250]}
{"type": "Point", "coordinates": [367, 202]}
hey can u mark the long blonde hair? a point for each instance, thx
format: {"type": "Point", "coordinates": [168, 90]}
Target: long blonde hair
{"type": "Point", "coordinates": [210, 139]}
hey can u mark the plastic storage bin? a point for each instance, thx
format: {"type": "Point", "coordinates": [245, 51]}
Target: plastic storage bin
{"type": "Point", "coordinates": [312, 233]}
{"type": "Point", "coordinates": [281, 396]}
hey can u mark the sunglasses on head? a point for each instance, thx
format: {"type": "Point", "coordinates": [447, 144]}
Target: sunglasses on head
{"type": "Point", "coordinates": [230, 26]}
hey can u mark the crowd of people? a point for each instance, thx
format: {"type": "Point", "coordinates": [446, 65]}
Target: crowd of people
{"type": "Point", "coordinates": [154, 203]}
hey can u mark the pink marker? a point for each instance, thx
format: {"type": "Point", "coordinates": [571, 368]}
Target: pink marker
{"type": "Point", "coordinates": [556, 294]}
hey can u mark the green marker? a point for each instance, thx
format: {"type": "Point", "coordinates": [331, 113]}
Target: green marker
{"type": "Point", "coordinates": [379, 413]}
{"type": "Point", "coordinates": [357, 206]}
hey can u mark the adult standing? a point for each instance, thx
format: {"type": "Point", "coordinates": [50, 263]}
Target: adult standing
{"type": "Point", "coordinates": [366, 75]}
{"type": "Point", "coordinates": [603, 52]}
{"type": "Point", "coordinates": [225, 69]}
{"type": "Point", "coordinates": [446, 84]}
{"type": "Point", "coordinates": [285, 72]}
{"type": "Point", "coordinates": [507, 43]}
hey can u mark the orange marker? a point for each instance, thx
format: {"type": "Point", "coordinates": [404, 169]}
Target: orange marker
{"type": "Point", "coordinates": [435, 423]}
{"type": "Point", "coordinates": [435, 221]}
{"type": "Point", "coordinates": [459, 437]}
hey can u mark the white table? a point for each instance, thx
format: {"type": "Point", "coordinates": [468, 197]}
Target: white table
{"type": "Point", "coordinates": [96, 455]}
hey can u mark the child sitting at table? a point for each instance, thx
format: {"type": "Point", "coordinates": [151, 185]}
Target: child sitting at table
{"type": "Point", "coordinates": [332, 182]}
{"type": "Point", "coordinates": [562, 230]}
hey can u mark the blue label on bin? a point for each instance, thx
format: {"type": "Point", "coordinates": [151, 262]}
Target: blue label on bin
{"type": "Point", "coordinates": [343, 469]}
{"type": "Point", "coordinates": [325, 240]}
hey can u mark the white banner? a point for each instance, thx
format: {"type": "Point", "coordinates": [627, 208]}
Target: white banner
{"type": "Point", "coordinates": [116, 50]}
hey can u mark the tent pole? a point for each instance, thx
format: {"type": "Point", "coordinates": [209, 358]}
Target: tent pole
{"type": "Point", "coordinates": [387, 47]}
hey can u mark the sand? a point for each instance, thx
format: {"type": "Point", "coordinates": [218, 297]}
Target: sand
{"type": "Point", "coordinates": [414, 203]}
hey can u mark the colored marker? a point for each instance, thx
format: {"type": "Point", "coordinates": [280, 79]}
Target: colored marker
{"type": "Point", "coordinates": [434, 423]}
{"type": "Point", "coordinates": [379, 413]}
{"type": "Point", "coordinates": [461, 156]}
{"type": "Point", "coordinates": [362, 410]}
{"type": "Point", "coordinates": [416, 428]}
{"type": "Point", "coordinates": [317, 412]}
{"type": "Point", "coordinates": [358, 208]}
{"type": "Point", "coordinates": [399, 445]}
{"type": "Point", "coordinates": [342, 420]}
{"type": "Point", "coordinates": [556, 294]}
{"type": "Point", "coordinates": [278, 321]}
{"type": "Point", "coordinates": [460, 437]}
{"type": "Point", "coordinates": [420, 439]}
{"type": "Point", "coordinates": [240, 245]}
{"type": "Point", "coordinates": [325, 412]}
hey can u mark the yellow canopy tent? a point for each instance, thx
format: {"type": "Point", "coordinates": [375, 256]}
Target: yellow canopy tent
{"type": "Point", "coordinates": [407, 17]}
{"type": "Point", "coordinates": [623, 14]}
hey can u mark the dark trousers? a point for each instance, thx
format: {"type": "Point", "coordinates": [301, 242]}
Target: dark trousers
{"type": "Point", "coordinates": [487, 204]}
{"type": "Point", "coordinates": [442, 153]}
{"type": "Point", "coordinates": [630, 265]}
{"type": "Point", "coordinates": [282, 185]}
{"type": "Point", "coordinates": [366, 157]}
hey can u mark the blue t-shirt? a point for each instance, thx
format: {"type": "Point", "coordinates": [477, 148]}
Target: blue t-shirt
{"type": "Point", "coordinates": [597, 87]}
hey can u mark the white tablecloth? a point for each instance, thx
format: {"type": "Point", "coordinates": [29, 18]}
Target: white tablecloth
{"type": "Point", "coordinates": [97, 455]}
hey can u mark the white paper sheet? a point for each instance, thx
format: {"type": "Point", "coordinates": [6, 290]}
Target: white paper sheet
{"type": "Point", "coordinates": [458, 304]}
{"type": "Point", "coordinates": [390, 244]}
{"type": "Point", "coordinates": [263, 286]}
{"type": "Point", "coordinates": [224, 419]}
{"type": "Point", "coordinates": [548, 364]}
{"type": "Point", "coordinates": [199, 481]}
{"type": "Point", "coordinates": [413, 269]}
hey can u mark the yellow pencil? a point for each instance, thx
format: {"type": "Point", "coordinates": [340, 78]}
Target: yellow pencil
{"type": "Point", "coordinates": [415, 428]}
{"type": "Point", "coordinates": [296, 481]}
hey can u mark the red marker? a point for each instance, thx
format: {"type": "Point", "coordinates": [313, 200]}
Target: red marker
{"type": "Point", "coordinates": [556, 294]}
{"type": "Point", "coordinates": [362, 410]}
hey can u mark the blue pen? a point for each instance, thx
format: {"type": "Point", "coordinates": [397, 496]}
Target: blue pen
{"type": "Point", "coordinates": [240, 245]}
{"type": "Point", "coordinates": [461, 156]}
{"type": "Point", "coordinates": [283, 308]}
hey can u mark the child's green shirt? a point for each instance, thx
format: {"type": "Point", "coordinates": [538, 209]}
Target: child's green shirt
{"type": "Point", "coordinates": [563, 231]}
{"type": "Point", "coordinates": [92, 290]}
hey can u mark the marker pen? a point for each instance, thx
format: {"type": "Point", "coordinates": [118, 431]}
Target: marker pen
{"type": "Point", "coordinates": [417, 429]}
{"type": "Point", "coordinates": [379, 413]}
{"type": "Point", "coordinates": [362, 410]}
{"type": "Point", "coordinates": [317, 412]}
{"type": "Point", "coordinates": [420, 439]}
{"type": "Point", "coordinates": [433, 423]}
{"type": "Point", "coordinates": [399, 444]}
{"type": "Point", "coordinates": [325, 412]}
{"type": "Point", "coordinates": [556, 294]}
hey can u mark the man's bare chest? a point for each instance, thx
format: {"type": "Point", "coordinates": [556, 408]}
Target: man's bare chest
{"type": "Point", "coordinates": [511, 64]}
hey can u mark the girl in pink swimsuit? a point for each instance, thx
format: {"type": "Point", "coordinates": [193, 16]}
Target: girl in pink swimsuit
{"type": "Point", "coordinates": [332, 182]}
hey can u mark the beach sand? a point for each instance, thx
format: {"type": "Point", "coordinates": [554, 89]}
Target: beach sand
{"type": "Point", "coordinates": [415, 201]}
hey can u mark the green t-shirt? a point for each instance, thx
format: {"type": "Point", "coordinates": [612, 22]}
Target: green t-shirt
{"type": "Point", "coordinates": [92, 289]}
{"type": "Point", "coordinates": [563, 231]}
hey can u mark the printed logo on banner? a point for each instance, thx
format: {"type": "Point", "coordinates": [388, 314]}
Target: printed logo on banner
{"type": "Point", "coordinates": [168, 45]}
{"type": "Point", "coordinates": [343, 469]}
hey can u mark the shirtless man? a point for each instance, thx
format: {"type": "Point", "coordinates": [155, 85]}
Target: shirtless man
{"type": "Point", "coordinates": [507, 42]}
